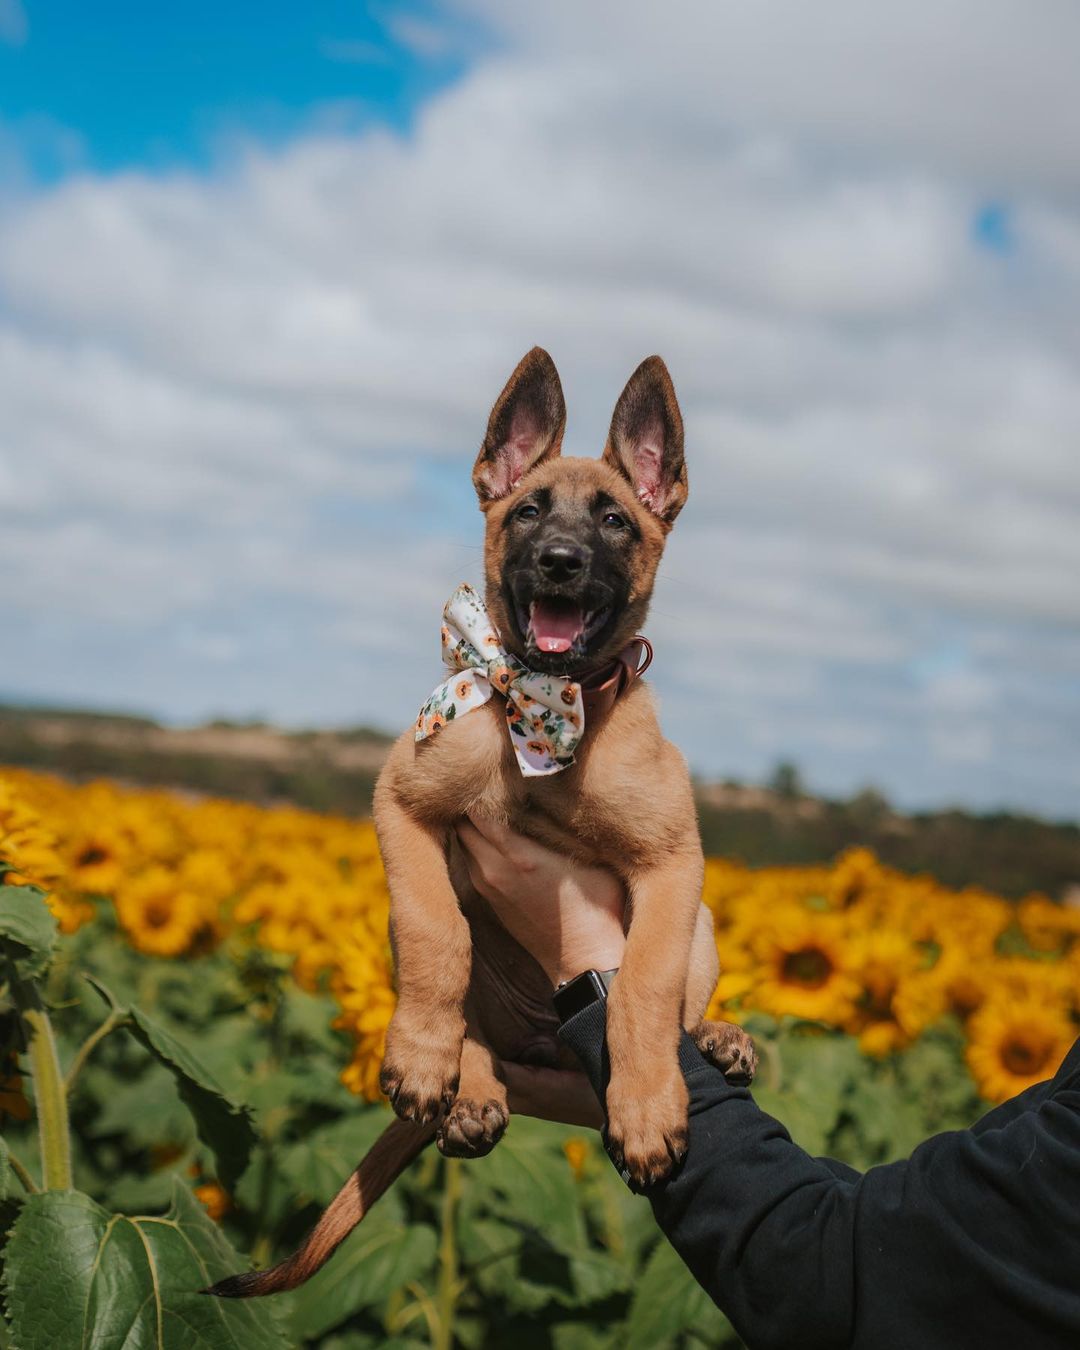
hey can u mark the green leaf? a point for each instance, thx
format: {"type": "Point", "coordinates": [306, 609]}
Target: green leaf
{"type": "Point", "coordinates": [76, 1275]}
{"type": "Point", "coordinates": [311, 1082]}
{"type": "Point", "coordinates": [7, 1178]}
{"type": "Point", "coordinates": [374, 1262]}
{"type": "Point", "coordinates": [668, 1301]}
{"type": "Point", "coordinates": [318, 1164]}
{"type": "Point", "coordinates": [224, 1127]}
{"type": "Point", "coordinates": [27, 927]}
{"type": "Point", "coordinates": [527, 1180]}
{"type": "Point", "coordinates": [816, 1075]}
{"type": "Point", "coordinates": [144, 1110]}
{"type": "Point", "coordinates": [596, 1276]}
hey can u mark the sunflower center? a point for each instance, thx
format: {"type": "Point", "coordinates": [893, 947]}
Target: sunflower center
{"type": "Point", "coordinates": [1024, 1056]}
{"type": "Point", "coordinates": [156, 914]}
{"type": "Point", "coordinates": [809, 967]}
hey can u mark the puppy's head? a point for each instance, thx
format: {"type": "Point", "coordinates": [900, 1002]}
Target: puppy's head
{"type": "Point", "coordinates": [572, 545]}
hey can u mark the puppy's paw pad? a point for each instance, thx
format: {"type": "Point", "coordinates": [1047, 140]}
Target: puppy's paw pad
{"type": "Point", "coordinates": [728, 1047]}
{"type": "Point", "coordinates": [471, 1128]}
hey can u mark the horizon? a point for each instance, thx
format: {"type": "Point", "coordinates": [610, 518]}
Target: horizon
{"type": "Point", "coordinates": [805, 788]}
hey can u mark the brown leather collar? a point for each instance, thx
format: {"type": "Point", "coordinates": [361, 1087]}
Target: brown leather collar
{"type": "Point", "coordinates": [600, 690]}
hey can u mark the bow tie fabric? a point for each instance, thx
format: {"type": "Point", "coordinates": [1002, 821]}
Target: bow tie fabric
{"type": "Point", "coordinates": [545, 715]}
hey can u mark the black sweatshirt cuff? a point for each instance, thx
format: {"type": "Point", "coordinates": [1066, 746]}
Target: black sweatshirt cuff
{"type": "Point", "coordinates": [585, 1034]}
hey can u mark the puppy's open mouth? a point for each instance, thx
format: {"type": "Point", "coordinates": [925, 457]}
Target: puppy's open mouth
{"type": "Point", "coordinates": [554, 626]}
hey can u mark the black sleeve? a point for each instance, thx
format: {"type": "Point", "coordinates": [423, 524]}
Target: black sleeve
{"type": "Point", "coordinates": [1008, 1111]}
{"type": "Point", "coordinates": [974, 1241]}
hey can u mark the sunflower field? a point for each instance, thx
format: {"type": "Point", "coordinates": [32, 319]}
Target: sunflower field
{"type": "Point", "coordinates": [192, 1016]}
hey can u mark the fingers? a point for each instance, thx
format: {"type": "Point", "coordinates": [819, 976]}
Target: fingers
{"type": "Point", "coordinates": [498, 835]}
{"type": "Point", "coordinates": [487, 866]}
{"type": "Point", "coordinates": [561, 1095]}
{"type": "Point", "coordinates": [476, 842]}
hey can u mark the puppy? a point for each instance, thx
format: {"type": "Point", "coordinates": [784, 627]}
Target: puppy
{"type": "Point", "coordinates": [544, 726]}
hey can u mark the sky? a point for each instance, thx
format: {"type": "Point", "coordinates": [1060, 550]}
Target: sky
{"type": "Point", "coordinates": [263, 270]}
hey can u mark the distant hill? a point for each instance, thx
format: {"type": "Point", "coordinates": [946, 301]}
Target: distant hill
{"type": "Point", "coordinates": [335, 770]}
{"type": "Point", "coordinates": [325, 770]}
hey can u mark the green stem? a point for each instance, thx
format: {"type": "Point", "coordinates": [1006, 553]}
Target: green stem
{"type": "Point", "coordinates": [449, 1282]}
{"type": "Point", "coordinates": [116, 1018]}
{"type": "Point", "coordinates": [49, 1097]}
{"type": "Point", "coordinates": [20, 1170]}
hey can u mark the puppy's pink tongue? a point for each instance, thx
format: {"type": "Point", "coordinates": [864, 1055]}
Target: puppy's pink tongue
{"type": "Point", "coordinates": [556, 625]}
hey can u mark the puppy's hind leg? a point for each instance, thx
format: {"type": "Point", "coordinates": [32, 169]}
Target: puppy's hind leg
{"type": "Point", "coordinates": [728, 1047]}
{"type": "Point", "coordinates": [722, 1043]}
{"type": "Point", "coordinates": [479, 1115]}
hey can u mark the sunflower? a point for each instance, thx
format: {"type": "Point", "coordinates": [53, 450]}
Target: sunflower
{"type": "Point", "coordinates": [367, 1000]}
{"type": "Point", "coordinates": [855, 873]}
{"type": "Point", "coordinates": [733, 989]}
{"type": "Point", "coordinates": [96, 860]}
{"type": "Point", "coordinates": [805, 967]}
{"type": "Point", "coordinates": [70, 911]}
{"type": "Point", "coordinates": [1047, 927]}
{"type": "Point", "coordinates": [576, 1151]}
{"type": "Point", "coordinates": [27, 849]}
{"type": "Point", "coordinates": [899, 999]}
{"type": "Point", "coordinates": [159, 916]}
{"type": "Point", "coordinates": [213, 1198]}
{"type": "Point", "coordinates": [1013, 1044]}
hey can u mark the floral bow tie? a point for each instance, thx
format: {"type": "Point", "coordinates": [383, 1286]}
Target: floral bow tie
{"type": "Point", "coordinates": [545, 715]}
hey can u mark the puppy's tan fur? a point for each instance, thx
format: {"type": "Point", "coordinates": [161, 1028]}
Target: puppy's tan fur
{"type": "Point", "coordinates": [468, 994]}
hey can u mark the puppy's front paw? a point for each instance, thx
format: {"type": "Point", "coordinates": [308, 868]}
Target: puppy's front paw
{"type": "Point", "coordinates": [471, 1129]}
{"type": "Point", "coordinates": [647, 1124]}
{"type": "Point", "coordinates": [729, 1048]}
{"type": "Point", "coordinates": [419, 1075]}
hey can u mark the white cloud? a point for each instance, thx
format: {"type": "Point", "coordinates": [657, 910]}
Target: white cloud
{"type": "Point", "coordinates": [244, 404]}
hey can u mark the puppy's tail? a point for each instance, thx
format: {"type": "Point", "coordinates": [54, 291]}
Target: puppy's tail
{"type": "Point", "coordinates": [391, 1153]}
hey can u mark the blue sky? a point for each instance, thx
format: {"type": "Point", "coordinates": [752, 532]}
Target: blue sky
{"type": "Point", "coordinates": [116, 85]}
{"type": "Point", "coordinates": [264, 269]}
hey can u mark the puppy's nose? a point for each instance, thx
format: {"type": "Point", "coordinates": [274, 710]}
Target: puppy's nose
{"type": "Point", "coordinates": [561, 561]}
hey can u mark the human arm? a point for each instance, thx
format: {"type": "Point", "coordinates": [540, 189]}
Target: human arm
{"type": "Point", "coordinates": [570, 918]}
{"type": "Point", "coordinates": [973, 1241]}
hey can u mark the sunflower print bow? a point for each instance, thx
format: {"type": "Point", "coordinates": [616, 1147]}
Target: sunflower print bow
{"type": "Point", "coordinates": [545, 715]}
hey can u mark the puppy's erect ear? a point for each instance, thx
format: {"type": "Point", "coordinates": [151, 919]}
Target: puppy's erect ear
{"type": "Point", "coordinates": [645, 442]}
{"type": "Point", "coordinates": [525, 427]}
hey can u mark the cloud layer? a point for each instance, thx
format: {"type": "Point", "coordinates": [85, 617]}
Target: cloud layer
{"type": "Point", "coordinates": [240, 408]}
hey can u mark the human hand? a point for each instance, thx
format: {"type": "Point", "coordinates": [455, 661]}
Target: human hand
{"type": "Point", "coordinates": [569, 916]}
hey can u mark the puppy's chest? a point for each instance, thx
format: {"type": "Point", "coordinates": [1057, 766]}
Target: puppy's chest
{"type": "Point", "coordinates": [596, 807]}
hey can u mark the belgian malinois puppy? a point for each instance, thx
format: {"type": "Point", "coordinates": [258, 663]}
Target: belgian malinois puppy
{"type": "Point", "coordinates": [570, 557]}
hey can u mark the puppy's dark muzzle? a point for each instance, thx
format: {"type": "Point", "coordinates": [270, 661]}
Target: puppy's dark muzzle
{"type": "Point", "coordinates": [562, 561]}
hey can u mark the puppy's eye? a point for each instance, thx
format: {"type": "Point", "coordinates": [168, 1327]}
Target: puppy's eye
{"type": "Point", "coordinates": [529, 511]}
{"type": "Point", "coordinates": [613, 519]}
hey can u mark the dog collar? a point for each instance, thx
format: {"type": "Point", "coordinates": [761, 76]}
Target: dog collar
{"type": "Point", "coordinates": [545, 714]}
{"type": "Point", "coordinates": [601, 689]}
